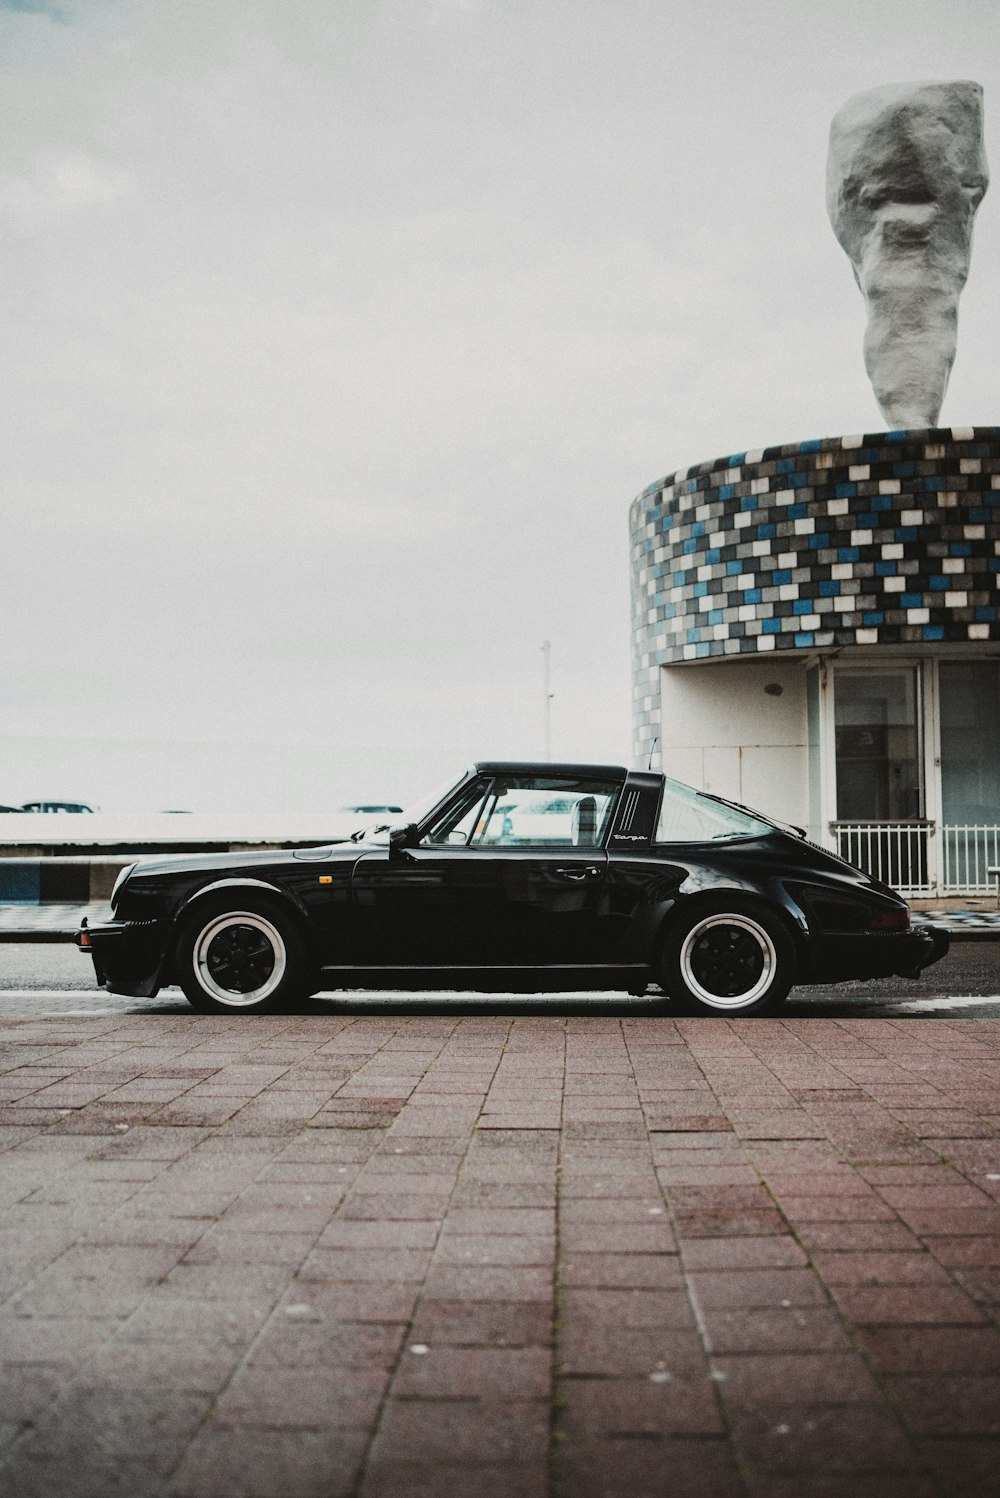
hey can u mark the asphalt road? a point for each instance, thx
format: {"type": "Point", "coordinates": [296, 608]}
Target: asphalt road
{"type": "Point", "coordinates": [53, 978]}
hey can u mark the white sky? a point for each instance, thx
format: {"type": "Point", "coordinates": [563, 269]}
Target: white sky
{"type": "Point", "coordinates": [339, 334]}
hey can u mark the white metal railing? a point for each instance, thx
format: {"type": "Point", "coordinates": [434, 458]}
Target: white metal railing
{"type": "Point", "coordinates": [895, 852]}
{"type": "Point", "coordinates": [967, 853]}
{"type": "Point", "coordinates": [920, 858]}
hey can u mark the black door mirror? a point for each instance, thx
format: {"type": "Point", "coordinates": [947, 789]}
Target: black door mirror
{"type": "Point", "coordinates": [403, 837]}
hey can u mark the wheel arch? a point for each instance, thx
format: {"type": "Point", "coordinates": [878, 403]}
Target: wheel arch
{"type": "Point", "coordinates": [686, 907]}
{"type": "Point", "coordinates": [265, 887]}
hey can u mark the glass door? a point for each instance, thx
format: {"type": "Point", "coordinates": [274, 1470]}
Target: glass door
{"type": "Point", "coordinates": [878, 724]}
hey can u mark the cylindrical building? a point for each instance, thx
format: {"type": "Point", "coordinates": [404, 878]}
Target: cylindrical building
{"type": "Point", "coordinates": [816, 632]}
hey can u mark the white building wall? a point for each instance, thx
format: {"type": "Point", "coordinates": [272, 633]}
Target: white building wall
{"type": "Point", "coordinates": [722, 730]}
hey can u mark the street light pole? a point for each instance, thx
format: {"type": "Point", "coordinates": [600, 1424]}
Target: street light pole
{"type": "Point", "coordinates": [546, 687]}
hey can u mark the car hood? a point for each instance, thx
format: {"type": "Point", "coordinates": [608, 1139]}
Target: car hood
{"type": "Point", "coordinates": [228, 863]}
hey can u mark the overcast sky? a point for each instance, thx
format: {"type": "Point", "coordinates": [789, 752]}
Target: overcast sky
{"type": "Point", "coordinates": [337, 336]}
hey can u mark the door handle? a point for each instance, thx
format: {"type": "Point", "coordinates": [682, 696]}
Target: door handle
{"type": "Point", "coordinates": [575, 872]}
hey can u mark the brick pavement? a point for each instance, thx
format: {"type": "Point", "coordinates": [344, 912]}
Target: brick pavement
{"type": "Point", "coordinates": [571, 1257]}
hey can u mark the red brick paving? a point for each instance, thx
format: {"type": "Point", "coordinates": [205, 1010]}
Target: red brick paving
{"type": "Point", "coordinates": [515, 1258]}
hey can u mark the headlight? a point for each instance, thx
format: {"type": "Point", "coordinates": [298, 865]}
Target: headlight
{"type": "Point", "coordinates": [126, 871]}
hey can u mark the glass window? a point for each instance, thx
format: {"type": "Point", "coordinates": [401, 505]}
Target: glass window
{"type": "Point", "coordinates": [970, 742]}
{"type": "Point", "coordinates": [529, 812]}
{"type": "Point", "coordinates": [878, 746]}
{"type": "Point", "coordinates": [690, 816]}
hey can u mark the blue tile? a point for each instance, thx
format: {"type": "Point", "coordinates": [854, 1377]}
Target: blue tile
{"type": "Point", "coordinates": [781, 576]}
{"type": "Point", "coordinates": [985, 615]}
{"type": "Point", "coordinates": [960, 548]}
{"type": "Point", "coordinates": [772, 626]}
{"type": "Point", "coordinates": [896, 437]}
{"type": "Point", "coordinates": [713, 554]}
{"type": "Point", "coordinates": [700, 589]}
{"type": "Point", "coordinates": [786, 465]}
{"type": "Point", "coordinates": [904, 470]}
{"type": "Point", "coordinates": [846, 491]}
{"type": "Point", "coordinates": [979, 516]}
{"type": "Point", "coordinates": [765, 532]}
{"type": "Point", "coordinates": [848, 554]}
{"type": "Point", "coordinates": [703, 650]}
{"type": "Point", "coordinates": [751, 595]}
{"type": "Point", "coordinates": [817, 542]}
{"type": "Point", "coordinates": [874, 616]}
{"type": "Point", "coordinates": [934, 486]}
{"type": "Point", "coordinates": [749, 502]}
{"type": "Point", "coordinates": [803, 606]}
{"type": "Point", "coordinates": [911, 600]}
{"type": "Point", "coordinates": [733, 569]}
{"type": "Point", "coordinates": [906, 533]}
{"type": "Point", "coordinates": [933, 631]}
{"type": "Point", "coordinates": [881, 502]}
{"type": "Point", "coordinates": [727, 491]}
{"type": "Point", "coordinates": [829, 589]}
{"type": "Point", "coordinates": [803, 641]}
{"type": "Point", "coordinates": [715, 616]}
{"type": "Point", "coordinates": [885, 569]}
{"type": "Point", "coordinates": [866, 522]}
{"type": "Point", "coordinates": [810, 447]}
{"type": "Point", "coordinates": [939, 583]}
{"type": "Point", "coordinates": [735, 460]}
{"type": "Point", "coordinates": [798, 481]}
{"type": "Point", "coordinates": [693, 636]}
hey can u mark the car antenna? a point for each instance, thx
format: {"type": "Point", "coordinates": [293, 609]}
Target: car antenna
{"type": "Point", "coordinates": [652, 751]}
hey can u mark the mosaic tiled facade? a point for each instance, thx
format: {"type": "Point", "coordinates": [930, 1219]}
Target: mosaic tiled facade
{"type": "Point", "coordinates": [886, 539]}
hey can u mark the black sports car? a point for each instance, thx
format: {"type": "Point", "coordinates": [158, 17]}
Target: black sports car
{"type": "Point", "coordinates": [524, 877]}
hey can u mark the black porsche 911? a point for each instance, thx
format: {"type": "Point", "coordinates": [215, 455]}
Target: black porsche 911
{"type": "Point", "coordinates": [516, 877]}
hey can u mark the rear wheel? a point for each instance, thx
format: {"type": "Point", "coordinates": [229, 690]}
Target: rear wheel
{"type": "Point", "coordinates": [729, 958]}
{"type": "Point", "coordinates": [243, 957]}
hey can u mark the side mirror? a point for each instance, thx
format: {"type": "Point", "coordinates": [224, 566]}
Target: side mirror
{"type": "Point", "coordinates": [402, 837]}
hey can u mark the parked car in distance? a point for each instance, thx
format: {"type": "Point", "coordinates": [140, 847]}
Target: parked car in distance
{"type": "Point", "coordinates": [372, 810]}
{"type": "Point", "coordinates": [643, 881]}
{"type": "Point", "coordinates": [57, 806]}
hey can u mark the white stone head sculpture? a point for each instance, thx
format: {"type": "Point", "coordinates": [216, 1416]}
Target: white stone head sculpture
{"type": "Point", "coordinates": [905, 175]}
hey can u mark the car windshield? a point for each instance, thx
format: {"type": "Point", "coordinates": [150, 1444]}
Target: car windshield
{"type": "Point", "coordinates": [418, 811]}
{"type": "Point", "coordinates": [690, 816]}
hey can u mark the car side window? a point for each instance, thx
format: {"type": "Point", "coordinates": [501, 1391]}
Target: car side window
{"type": "Point", "coordinates": [540, 812]}
{"type": "Point", "coordinates": [688, 816]}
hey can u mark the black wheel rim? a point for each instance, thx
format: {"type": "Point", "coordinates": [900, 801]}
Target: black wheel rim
{"type": "Point", "coordinates": [240, 959]}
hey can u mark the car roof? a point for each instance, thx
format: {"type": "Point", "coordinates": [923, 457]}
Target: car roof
{"type": "Point", "coordinates": [546, 767]}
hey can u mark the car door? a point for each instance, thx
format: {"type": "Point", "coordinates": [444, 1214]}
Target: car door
{"type": "Point", "coordinates": [515, 876]}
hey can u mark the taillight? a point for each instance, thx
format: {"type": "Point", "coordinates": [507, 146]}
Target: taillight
{"type": "Point", "coordinates": [890, 920]}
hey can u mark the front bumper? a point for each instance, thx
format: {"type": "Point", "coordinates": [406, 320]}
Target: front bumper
{"type": "Point", "coordinates": [876, 954]}
{"type": "Point", "coordinates": [128, 956]}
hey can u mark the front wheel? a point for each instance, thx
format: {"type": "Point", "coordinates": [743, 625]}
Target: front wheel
{"type": "Point", "coordinates": [240, 958]}
{"type": "Point", "coordinates": [731, 958]}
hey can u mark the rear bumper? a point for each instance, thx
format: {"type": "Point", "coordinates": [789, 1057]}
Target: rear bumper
{"type": "Point", "coordinates": [128, 957]}
{"type": "Point", "coordinates": [876, 954]}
